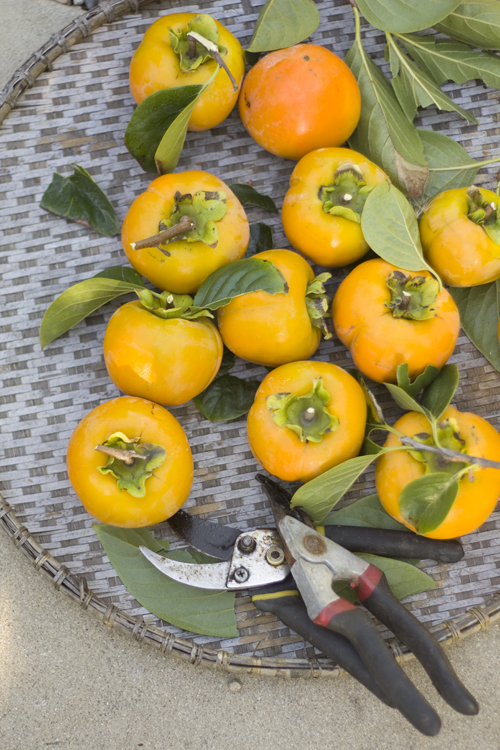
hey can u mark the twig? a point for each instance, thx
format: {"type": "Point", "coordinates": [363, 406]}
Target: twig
{"type": "Point", "coordinates": [462, 458]}
{"type": "Point", "coordinates": [127, 456]}
{"type": "Point", "coordinates": [214, 51]}
{"type": "Point", "coordinates": [185, 225]}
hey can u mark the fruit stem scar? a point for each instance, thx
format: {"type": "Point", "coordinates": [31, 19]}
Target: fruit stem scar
{"type": "Point", "coordinates": [185, 225]}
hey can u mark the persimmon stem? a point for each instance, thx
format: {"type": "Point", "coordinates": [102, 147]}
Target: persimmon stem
{"type": "Point", "coordinates": [126, 456]}
{"type": "Point", "coordinates": [185, 225]}
{"type": "Point", "coordinates": [462, 458]}
{"type": "Point", "coordinates": [213, 49]}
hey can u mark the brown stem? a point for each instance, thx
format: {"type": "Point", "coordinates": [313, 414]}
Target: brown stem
{"type": "Point", "coordinates": [122, 455]}
{"type": "Point", "coordinates": [463, 458]}
{"type": "Point", "coordinates": [218, 59]}
{"type": "Point", "coordinates": [185, 225]}
{"type": "Point", "coordinates": [191, 53]}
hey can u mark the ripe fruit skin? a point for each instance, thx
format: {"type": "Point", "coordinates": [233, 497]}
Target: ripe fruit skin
{"type": "Point", "coordinates": [189, 263]}
{"type": "Point", "coordinates": [167, 361]}
{"type": "Point", "coordinates": [459, 250]}
{"type": "Point", "coordinates": [166, 490]}
{"type": "Point", "coordinates": [155, 66]}
{"type": "Point", "coordinates": [475, 500]}
{"type": "Point", "coordinates": [271, 329]}
{"type": "Point", "coordinates": [279, 449]}
{"type": "Point", "coordinates": [299, 99]}
{"type": "Point", "coordinates": [377, 341]}
{"type": "Point", "coordinates": [327, 240]}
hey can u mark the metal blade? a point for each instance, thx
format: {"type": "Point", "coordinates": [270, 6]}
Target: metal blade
{"type": "Point", "coordinates": [213, 539]}
{"type": "Point", "coordinates": [281, 497]}
{"type": "Point", "coordinates": [211, 576]}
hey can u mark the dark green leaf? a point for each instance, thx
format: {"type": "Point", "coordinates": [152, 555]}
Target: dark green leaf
{"type": "Point", "coordinates": [84, 298]}
{"type": "Point", "coordinates": [426, 501]}
{"type": "Point", "coordinates": [283, 23]}
{"type": "Point", "coordinates": [369, 448]}
{"type": "Point", "coordinates": [479, 308]}
{"type": "Point", "coordinates": [251, 57]}
{"type": "Point", "coordinates": [196, 610]}
{"type": "Point", "coordinates": [320, 495]}
{"type": "Point", "coordinates": [420, 382]}
{"type": "Point", "coordinates": [405, 401]}
{"type": "Point", "coordinates": [261, 238]}
{"type": "Point", "coordinates": [414, 88]}
{"type": "Point", "coordinates": [368, 512]}
{"type": "Point", "coordinates": [476, 23]}
{"type": "Point", "coordinates": [80, 199]}
{"type": "Point", "coordinates": [400, 15]}
{"type": "Point", "coordinates": [227, 363]}
{"type": "Point", "coordinates": [122, 273]}
{"type": "Point", "coordinates": [384, 134]}
{"type": "Point", "coordinates": [248, 196]}
{"type": "Point", "coordinates": [438, 395]}
{"type": "Point", "coordinates": [152, 118]}
{"type": "Point", "coordinates": [237, 278]}
{"type": "Point", "coordinates": [226, 398]}
{"type": "Point", "coordinates": [390, 227]}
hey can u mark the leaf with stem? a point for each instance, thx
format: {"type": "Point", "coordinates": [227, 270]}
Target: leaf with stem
{"type": "Point", "coordinates": [425, 502]}
{"type": "Point", "coordinates": [438, 395]}
{"type": "Point", "coordinates": [400, 15]}
{"type": "Point", "coordinates": [475, 22]}
{"type": "Point", "coordinates": [237, 278]}
{"type": "Point", "coordinates": [261, 238]}
{"type": "Point", "coordinates": [249, 196]}
{"type": "Point", "coordinates": [366, 512]}
{"type": "Point", "coordinates": [283, 23]}
{"type": "Point", "coordinates": [479, 308]}
{"type": "Point", "coordinates": [420, 382]}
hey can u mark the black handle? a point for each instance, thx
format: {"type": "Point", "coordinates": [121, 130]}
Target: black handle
{"type": "Point", "coordinates": [393, 543]}
{"type": "Point", "coordinates": [354, 625]}
{"type": "Point", "coordinates": [292, 612]}
{"type": "Point", "coordinates": [380, 600]}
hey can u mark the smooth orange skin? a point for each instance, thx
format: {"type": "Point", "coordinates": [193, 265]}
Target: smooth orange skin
{"type": "Point", "coordinates": [155, 66]}
{"type": "Point", "coordinates": [330, 241]}
{"type": "Point", "coordinates": [166, 361]}
{"type": "Point", "coordinates": [459, 250]}
{"type": "Point", "coordinates": [189, 263]}
{"type": "Point", "coordinates": [166, 490]}
{"type": "Point", "coordinates": [272, 329]}
{"type": "Point", "coordinates": [279, 450]}
{"type": "Point", "coordinates": [377, 341]}
{"type": "Point", "coordinates": [475, 500]}
{"type": "Point", "coordinates": [299, 99]}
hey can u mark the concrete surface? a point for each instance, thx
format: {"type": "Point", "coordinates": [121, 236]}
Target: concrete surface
{"type": "Point", "coordinates": [68, 682]}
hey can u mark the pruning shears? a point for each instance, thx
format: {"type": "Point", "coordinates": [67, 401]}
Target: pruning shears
{"type": "Point", "coordinates": [278, 564]}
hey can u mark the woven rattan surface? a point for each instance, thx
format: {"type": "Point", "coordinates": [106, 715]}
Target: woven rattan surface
{"type": "Point", "coordinates": [77, 112]}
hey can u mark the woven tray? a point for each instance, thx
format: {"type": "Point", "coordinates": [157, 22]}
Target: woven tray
{"type": "Point", "coordinates": [76, 110]}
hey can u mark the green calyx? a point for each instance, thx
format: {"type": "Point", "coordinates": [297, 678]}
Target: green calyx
{"type": "Point", "coordinates": [204, 209]}
{"type": "Point", "coordinates": [131, 462]}
{"type": "Point", "coordinates": [347, 194]}
{"type": "Point", "coordinates": [412, 297]}
{"type": "Point", "coordinates": [194, 50]}
{"type": "Point", "coordinates": [448, 437]}
{"type": "Point", "coordinates": [483, 213]}
{"type": "Point", "coordinates": [317, 302]}
{"type": "Point", "coordinates": [307, 415]}
{"type": "Point", "coordinates": [167, 305]}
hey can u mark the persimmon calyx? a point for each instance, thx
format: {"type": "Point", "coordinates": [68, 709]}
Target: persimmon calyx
{"type": "Point", "coordinates": [347, 194]}
{"type": "Point", "coordinates": [484, 213]}
{"type": "Point", "coordinates": [131, 462]}
{"type": "Point", "coordinates": [203, 210]}
{"type": "Point", "coordinates": [168, 305]}
{"type": "Point", "coordinates": [412, 297]}
{"type": "Point", "coordinates": [190, 51]}
{"type": "Point", "coordinates": [317, 303]}
{"type": "Point", "coordinates": [449, 438]}
{"type": "Point", "coordinates": [307, 415]}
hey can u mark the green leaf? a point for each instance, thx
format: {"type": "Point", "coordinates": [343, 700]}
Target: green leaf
{"type": "Point", "coordinates": [479, 308]}
{"type": "Point", "coordinates": [476, 23]}
{"type": "Point", "coordinates": [320, 495]}
{"type": "Point", "coordinates": [168, 153]}
{"type": "Point", "coordinates": [80, 199]}
{"type": "Point", "coordinates": [401, 15]}
{"type": "Point", "coordinates": [226, 398]}
{"type": "Point", "coordinates": [384, 134]}
{"type": "Point", "coordinates": [248, 196]}
{"type": "Point", "coordinates": [369, 448]}
{"type": "Point", "coordinates": [283, 23]}
{"type": "Point", "coordinates": [261, 238]}
{"type": "Point", "coordinates": [390, 227]}
{"type": "Point", "coordinates": [420, 382]}
{"type": "Point", "coordinates": [375, 416]}
{"type": "Point", "coordinates": [84, 298]}
{"type": "Point", "coordinates": [367, 512]}
{"type": "Point", "coordinates": [196, 610]}
{"type": "Point", "coordinates": [426, 501]}
{"type": "Point", "coordinates": [438, 395]}
{"type": "Point", "coordinates": [414, 88]}
{"type": "Point", "coordinates": [237, 278]}
{"type": "Point", "coordinates": [405, 401]}
{"type": "Point", "coordinates": [152, 118]}
{"type": "Point", "coordinates": [450, 166]}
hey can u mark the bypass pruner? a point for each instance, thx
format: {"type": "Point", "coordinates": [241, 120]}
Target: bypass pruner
{"type": "Point", "coordinates": [262, 561]}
